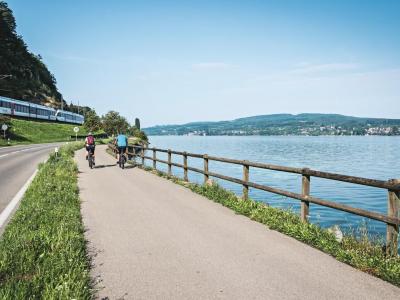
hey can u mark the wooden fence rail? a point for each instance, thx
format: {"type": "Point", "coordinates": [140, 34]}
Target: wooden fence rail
{"type": "Point", "coordinates": [392, 219]}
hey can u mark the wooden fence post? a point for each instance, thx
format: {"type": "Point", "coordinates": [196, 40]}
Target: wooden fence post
{"type": "Point", "coordinates": [205, 157]}
{"type": "Point", "coordinates": [305, 190]}
{"type": "Point", "coordinates": [143, 157]}
{"type": "Point", "coordinates": [392, 231]}
{"type": "Point", "coordinates": [185, 167]}
{"type": "Point", "coordinates": [246, 179]}
{"type": "Point", "coordinates": [169, 163]}
{"type": "Point", "coordinates": [154, 160]}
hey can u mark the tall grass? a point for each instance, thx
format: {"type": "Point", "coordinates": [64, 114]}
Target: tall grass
{"type": "Point", "coordinates": [42, 250]}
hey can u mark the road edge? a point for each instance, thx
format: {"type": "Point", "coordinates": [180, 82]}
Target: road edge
{"type": "Point", "coordinates": [6, 214]}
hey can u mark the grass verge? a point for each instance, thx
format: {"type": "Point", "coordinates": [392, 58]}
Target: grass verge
{"type": "Point", "coordinates": [43, 250]}
{"type": "Point", "coordinates": [35, 132]}
{"type": "Point", "coordinates": [358, 252]}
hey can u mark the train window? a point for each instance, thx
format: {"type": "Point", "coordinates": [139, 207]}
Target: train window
{"type": "Point", "coordinates": [21, 108]}
{"type": "Point", "coordinates": [6, 104]}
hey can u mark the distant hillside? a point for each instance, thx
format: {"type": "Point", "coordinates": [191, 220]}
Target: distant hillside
{"type": "Point", "coordinates": [285, 124]}
{"type": "Point", "coordinates": [30, 79]}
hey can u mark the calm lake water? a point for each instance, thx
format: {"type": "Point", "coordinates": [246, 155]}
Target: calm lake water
{"type": "Point", "coordinates": [367, 156]}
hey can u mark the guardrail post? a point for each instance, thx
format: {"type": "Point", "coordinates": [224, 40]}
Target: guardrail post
{"type": "Point", "coordinates": [169, 163]}
{"type": "Point", "coordinates": [142, 154]}
{"type": "Point", "coordinates": [246, 179]}
{"type": "Point", "coordinates": [154, 160]}
{"type": "Point", "coordinates": [305, 190]}
{"type": "Point", "coordinates": [205, 157]}
{"type": "Point", "coordinates": [185, 167]}
{"type": "Point", "coordinates": [392, 231]}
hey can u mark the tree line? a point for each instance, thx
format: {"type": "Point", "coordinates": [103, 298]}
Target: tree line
{"type": "Point", "coordinates": [112, 123]}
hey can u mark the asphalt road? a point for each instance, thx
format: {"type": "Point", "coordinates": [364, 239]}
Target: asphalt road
{"type": "Point", "coordinates": [153, 239]}
{"type": "Point", "coordinates": [17, 164]}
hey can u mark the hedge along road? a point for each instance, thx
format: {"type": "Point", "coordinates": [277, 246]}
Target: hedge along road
{"type": "Point", "coordinates": [153, 239]}
{"type": "Point", "coordinates": [17, 164]}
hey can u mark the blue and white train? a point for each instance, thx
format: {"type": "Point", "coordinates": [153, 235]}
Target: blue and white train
{"type": "Point", "coordinates": [24, 109]}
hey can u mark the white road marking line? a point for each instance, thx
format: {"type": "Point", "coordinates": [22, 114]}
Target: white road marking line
{"type": "Point", "coordinates": [25, 150]}
{"type": "Point", "coordinates": [10, 207]}
{"type": "Point", "coordinates": [8, 147]}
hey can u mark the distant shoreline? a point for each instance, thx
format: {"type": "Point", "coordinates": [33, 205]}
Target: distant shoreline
{"type": "Point", "coordinates": [286, 125]}
{"type": "Point", "coordinates": [283, 135]}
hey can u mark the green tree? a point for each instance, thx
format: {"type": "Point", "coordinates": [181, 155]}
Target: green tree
{"type": "Point", "coordinates": [114, 123]}
{"type": "Point", "coordinates": [141, 135]}
{"type": "Point", "coordinates": [133, 131]}
{"type": "Point", "coordinates": [92, 121]}
{"type": "Point", "coordinates": [137, 123]}
{"type": "Point", "coordinates": [31, 80]}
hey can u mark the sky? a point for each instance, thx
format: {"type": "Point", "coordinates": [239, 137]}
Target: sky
{"type": "Point", "coordinates": [173, 62]}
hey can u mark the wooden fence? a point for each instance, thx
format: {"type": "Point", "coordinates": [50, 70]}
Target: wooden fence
{"type": "Point", "coordinates": [392, 219]}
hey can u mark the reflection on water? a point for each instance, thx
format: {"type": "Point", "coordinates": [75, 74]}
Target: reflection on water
{"type": "Point", "coordinates": [370, 157]}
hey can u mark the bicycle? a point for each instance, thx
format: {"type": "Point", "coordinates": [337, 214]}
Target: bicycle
{"type": "Point", "coordinates": [90, 159]}
{"type": "Point", "coordinates": [122, 161]}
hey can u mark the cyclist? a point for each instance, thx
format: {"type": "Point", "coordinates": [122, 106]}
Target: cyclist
{"type": "Point", "coordinates": [121, 142]}
{"type": "Point", "coordinates": [90, 145]}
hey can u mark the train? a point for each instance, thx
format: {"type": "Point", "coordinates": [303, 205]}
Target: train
{"type": "Point", "coordinates": [25, 109]}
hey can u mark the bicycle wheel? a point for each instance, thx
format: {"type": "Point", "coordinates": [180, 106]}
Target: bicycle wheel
{"type": "Point", "coordinates": [90, 162]}
{"type": "Point", "coordinates": [123, 162]}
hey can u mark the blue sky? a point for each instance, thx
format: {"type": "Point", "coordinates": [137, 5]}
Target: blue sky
{"type": "Point", "coordinates": [181, 61]}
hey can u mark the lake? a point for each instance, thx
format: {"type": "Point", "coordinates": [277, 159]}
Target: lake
{"type": "Point", "coordinates": [375, 157]}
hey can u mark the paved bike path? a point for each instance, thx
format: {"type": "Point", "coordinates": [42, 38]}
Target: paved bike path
{"type": "Point", "coordinates": [153, 239]}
